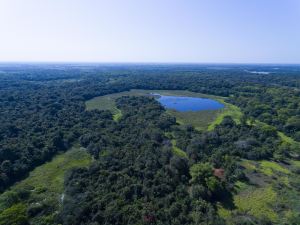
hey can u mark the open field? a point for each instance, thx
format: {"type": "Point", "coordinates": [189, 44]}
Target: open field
{"type": "Point", "coordinates": [43, 190]}
{"type": "Point", "coordinates": [258, 202]}
{"type": "Point", "coordinates": [271, 192]}
{"type": "Point", "coordinates": [201, 120]}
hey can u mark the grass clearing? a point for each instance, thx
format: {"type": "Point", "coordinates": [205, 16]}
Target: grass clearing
{"type": "Point", "coordinates": [45, 185]}
{"type": "Point", "coordinates": [257, 202]}
{"type": "Point", "coordinates": [271, 191]}
{"type": "Point", "coordinates": [252, 201]}
{"type": "Point", "coordinates": [102, 103]}
{"type": "Point", "coordinates": [107, 102]}
{"type": "Point", "coordinates": [199, 119]}
{"type": "Point", "coordinates": [269, 167]}
{"type": "Point", "coordinates": [229, 110]}
{"type": "Point", "coordinates": [260, 196]}
{"type": "Point", "coordinates": [51, 174]}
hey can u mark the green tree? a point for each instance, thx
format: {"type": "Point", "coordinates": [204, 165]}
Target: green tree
{"type": "Point", "coordinates": [200, 172]}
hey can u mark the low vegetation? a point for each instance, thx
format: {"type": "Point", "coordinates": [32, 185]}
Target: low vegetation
{"type": "Point", "coordinates": [230, 110]}
{"type": "Point", "coordinates": [177, 151]}
{"type": "Point", "coordinates": [38, 198]}
{"type": "Point", "coordinates": [258, 202]}
{"type": "Point", "coordinates": [266, 193]}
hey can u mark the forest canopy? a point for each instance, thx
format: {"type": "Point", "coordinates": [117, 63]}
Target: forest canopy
{"type": "Point", "coordinates": [147, 168]}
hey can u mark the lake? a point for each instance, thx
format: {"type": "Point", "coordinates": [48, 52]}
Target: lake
{"type": "Point", "coordinates": [184, 104]}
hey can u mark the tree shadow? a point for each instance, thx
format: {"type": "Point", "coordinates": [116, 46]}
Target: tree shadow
{"type": "Point", "coordinates": [226, 200]}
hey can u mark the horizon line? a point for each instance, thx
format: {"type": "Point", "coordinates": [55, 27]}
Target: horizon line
{"type": "Point", "coordinates": [148, 63]}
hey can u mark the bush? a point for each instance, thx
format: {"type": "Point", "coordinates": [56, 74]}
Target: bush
{"type": "Point", "coordinates": [15, 215]}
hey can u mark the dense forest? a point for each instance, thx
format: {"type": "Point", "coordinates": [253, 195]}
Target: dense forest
{"type": "Point", "coordinates": [135, 176]}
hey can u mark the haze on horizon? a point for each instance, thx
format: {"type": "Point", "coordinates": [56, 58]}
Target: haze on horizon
{"type": "Point", "coordinates": [196, 31]}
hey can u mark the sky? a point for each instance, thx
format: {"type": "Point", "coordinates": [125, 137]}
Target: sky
{"type": "Point", "coordinates": [150, 31]}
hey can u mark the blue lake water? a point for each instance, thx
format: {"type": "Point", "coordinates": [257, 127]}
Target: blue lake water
{"type": "Point", "coordinates": [183, 104]}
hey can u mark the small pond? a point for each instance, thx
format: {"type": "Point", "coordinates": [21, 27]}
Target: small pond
{"type": "Point", "coordinates": [184, 104]}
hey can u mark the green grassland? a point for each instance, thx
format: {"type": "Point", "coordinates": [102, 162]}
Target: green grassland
{"type": "Point", "coordinates": [107, 102]}
{"type": "Point", "coordinates": [272, 192]}
{"type": "Point", "coordinates": [201, 120]}
{"type": "Point", "coordinates": [269, 168]}
{"type": "Point", "coordinates": [257, 202]}
{"type": "Point", "coordinates": [41, 192]}
{"type": "Point", "coordinates": [229, 110]}
{"type": "Point", "coordinates": [102, 103]}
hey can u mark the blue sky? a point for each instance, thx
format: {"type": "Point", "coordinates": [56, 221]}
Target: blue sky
{"type": "Point", "coordinates": [197, 31]}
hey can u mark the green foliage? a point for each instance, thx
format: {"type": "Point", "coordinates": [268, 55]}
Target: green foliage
{"type": "Point", "coordinates": [139, 176]}
{"type": "Point", "coordinates": [198, 119]}
{"type": "Point", "coordinates": [276, 106]}
{"type": "Point", "coordinates": [230, 110]}
{"type": "Point", "coordinates": [15, 215]}
{"type": "Point", "coordinates": [8, 199]}
{"type": "Point", "coordinates": [177, 151]}
{"type": "Point", "coordinates": [268, 168]}
{"type": "Point", "coordinates": [42, 190]}
{"type": "Point", "coordinates": [117, 115]}
{"type": "Point", "coordinates": [202, 176]}
{"type": "Point", "coordinates": [200, 172]}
